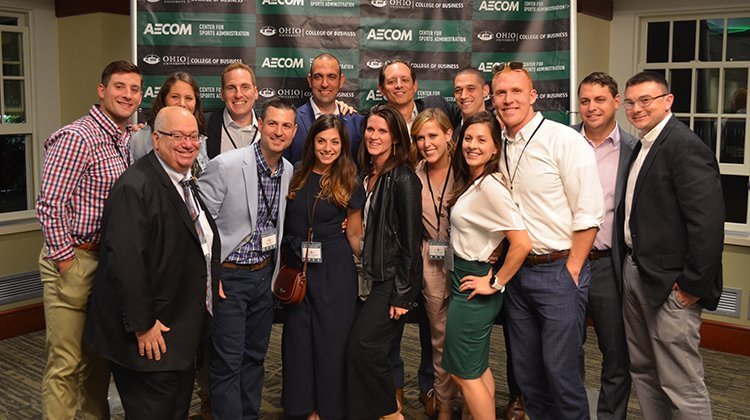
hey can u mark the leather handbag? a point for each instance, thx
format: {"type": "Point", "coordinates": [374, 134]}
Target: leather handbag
{"type": "Point", "coordinates": [291, 283]}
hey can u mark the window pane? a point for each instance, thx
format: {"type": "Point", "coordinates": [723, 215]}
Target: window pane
{"type": "Point", "coordinates": [738, 39]}
{"type": "Point", "coordinates": [13, 173]}
{"type": "Point", "coordinates": [711, 33]}
{"type": "Point", "coordinates": [705, 128]}
{"type": "Point", "coordinates": [13, 97]}
{"type": "Point", "coordinates": [657, 50]}
{"type": "Point", "coordinates": [732, 140]}
{"type": "Point", "coordinates": [735, 197]}
{"type": "Point", "coordinates": [8, 21]}
{"type": "Point", "coordinates": [735, 91]}
{"type": "Point", "coordinates": [680, 85]}
{"type": "Point", "coordinates": [707, 91]}
{"type": "Point", "coordinates": [683, 41]}
{"type": "Point", "coordinates": [12, 54]}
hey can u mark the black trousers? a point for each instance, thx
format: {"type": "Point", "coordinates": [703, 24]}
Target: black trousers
{"type": "Point", "coordinates": [154, 395]}
{"type": "Point", "coordinates": [371, 392]}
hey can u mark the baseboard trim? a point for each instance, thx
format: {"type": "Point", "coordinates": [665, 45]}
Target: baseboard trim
{"type": "Point", "coordinates": [722, 336]}
{"type": "Point", "coordinates": [21, 320]}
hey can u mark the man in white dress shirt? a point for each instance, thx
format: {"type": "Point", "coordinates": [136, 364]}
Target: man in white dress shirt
{"type": "Point", "coordinates": [554, 180]}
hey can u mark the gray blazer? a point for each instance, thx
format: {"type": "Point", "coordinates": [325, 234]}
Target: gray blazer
{"type": "Point", "coordinates": [229, 188]}
{"type": "Point", "coordinates": [627, 143]}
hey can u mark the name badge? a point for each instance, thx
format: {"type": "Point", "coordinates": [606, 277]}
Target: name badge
{"type": "Point", "coordinates": [268, 240]}
{"type": "Point", "coordinates": [437, 249]}
{"type": "Point", "coordinates": [204, 246]}
{"type": "Point", "coordinates": [313, 250]}
{"type": "Point", "coordinates": [448, 264]}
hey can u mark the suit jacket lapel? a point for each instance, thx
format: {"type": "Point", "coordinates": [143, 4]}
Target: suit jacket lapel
{"type": "Point", "coordinates": [650, 157]}
{"type": "Point", "coordinates": [250, 173]}
{"type": "Point", "coordinates": [306, 117]}
{"type": "Point", "coordinates": [622, 168]}
{"type": "Point", "coordinates": [173, 196]}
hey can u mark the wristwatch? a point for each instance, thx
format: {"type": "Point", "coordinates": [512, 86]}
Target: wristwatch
{"type": "Point", "coordinates": [496, 285]}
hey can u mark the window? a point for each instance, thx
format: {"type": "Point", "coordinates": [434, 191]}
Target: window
{"type": "Point", "coordinates": [16, 157]}
{"type": "Point", "coordinates": [706, 61]}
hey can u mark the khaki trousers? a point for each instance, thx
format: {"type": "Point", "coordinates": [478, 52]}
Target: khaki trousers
{"type": "Point", "coordinates": [71, 369]}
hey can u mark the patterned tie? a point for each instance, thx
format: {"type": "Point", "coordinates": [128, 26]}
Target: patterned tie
{"type": "Point", "coordinates": [190, 202]}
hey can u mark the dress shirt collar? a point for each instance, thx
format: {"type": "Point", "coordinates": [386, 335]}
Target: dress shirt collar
{"type": "Point", "coordinates": [525, 133]}
{"type": "Point", "coordinates": [614, 136]}
{"type": "Point", "coordinates": [649, 138]}
{"type": "Point", "coordinates": [230, 123]}
{"type": "Point", "coordinates": [263, 165]}
{"type": "Point", "coordinates": [173, 175]}
{"type": "Point", "coordinates": [317, 112]}
{"type": "Point", "coordinates": [105, 122]}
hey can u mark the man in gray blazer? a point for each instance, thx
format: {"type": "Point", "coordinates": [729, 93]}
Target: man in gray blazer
{"type": "Point", "coordinates": [598, 100]}
{"type": "Point", "coordinates": [245, 192]}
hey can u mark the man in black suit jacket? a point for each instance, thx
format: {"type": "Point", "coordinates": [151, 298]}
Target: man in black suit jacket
{"type": "Point", "coordinates": [598, 101]}
{"type": "Point", "coordinates": [149, 299]}
{"type": "Point", "coordinates": [673, 222]}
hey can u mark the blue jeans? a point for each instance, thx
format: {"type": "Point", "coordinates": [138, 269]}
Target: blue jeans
{"type": "Point", "coordinates": [546, 322]}
{"type": "Point", "coordinates": [240, 331]}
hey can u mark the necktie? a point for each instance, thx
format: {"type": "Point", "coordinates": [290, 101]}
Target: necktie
{"type": "Point", "coordinates": [191, 206]}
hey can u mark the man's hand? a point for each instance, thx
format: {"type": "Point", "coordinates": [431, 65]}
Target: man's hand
{"type": "Point", "coordinates": [397, 312]}
{"type": "Point", "coordinates": [344, 108]}
{"type": "Point", "coordinates": [480, 285]}
{"type": "Point", "coordinates": [686, 299]}
{"type": "Point", "coordinates": [64, 265]}
{"type": "Point", "coordinates": [151, 343]}
{"type": "Point", "coordinates": [221, 291]}
{"type": "Point", "coordinates": [575, 272]}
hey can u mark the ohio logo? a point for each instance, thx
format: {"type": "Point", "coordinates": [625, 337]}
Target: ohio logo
{"type": "Point", "coordinates": [283, 63]}
{"type": "Point", "coordinates": [381, 34]}
{"type": "Point", "coordinates": [499, 6]}
{"type": "Point", "coordinates": [284, 2]}
{"type": "Point", "coordinates": [379, 3]}
{"type": "Point", "coordinates": [506, 36]}
{"type": "Point", "coordinates": [267, 93]}
{"type": "Point", "coordinates": [268, 31]}
{"type": "Point", "coordinates": [168, 29]}
{"type": "Point", "coordinates": [151, 59]}
{"type": "Point", "coordinates": [374, 63]}
{"type": "Point", "coordinates": [485, 36]}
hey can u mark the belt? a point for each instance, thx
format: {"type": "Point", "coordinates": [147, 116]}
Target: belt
{"type": "Point", "coordinates": [88, 247]}
{"type": "Point", "coordinates": [251, 267]}
{"type": "Point", "coordinates": [533, 259]}
{"type": "Point", "coordinates": [595, 254]}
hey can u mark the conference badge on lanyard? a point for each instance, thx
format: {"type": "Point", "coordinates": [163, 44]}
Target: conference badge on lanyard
{"type": "Point", "coordinates": [268, 240]}
{"type": "Point", "coordinates": [437, 249]}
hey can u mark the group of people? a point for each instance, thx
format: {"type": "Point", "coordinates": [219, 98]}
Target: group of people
{"type": "Point", "coordinates": [163, 241]}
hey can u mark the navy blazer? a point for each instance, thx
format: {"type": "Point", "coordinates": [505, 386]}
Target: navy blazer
{"type": "Point", "coordinates": [677, 217]}
{"type": "Point", "coordinates": [627, 143]}
{"type": "Point", "coordinates": [305, 119]}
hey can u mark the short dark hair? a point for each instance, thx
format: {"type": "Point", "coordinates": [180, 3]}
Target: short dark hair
{"type": "Point", "coordinates": [600, 78]}
{"type": "Point", "coordinates": [645, 77]}
{"type": "Point", "coordinates": [324, 55]}
{"type": "Point", "coordinates": [278, 103]}
{"type": "Point", "coordinates": [473, 71]}
{"type": "Point", "coordinates": [117, 67]}
{"type": "Point", "coordinates": [381, 75]}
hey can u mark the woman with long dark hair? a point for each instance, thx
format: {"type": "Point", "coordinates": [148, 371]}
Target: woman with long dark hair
{"type": "Point", "coordinates": [391, 260]}
{"type": "Point", "coordinates": [323, 192]}
{"type": "Point", "coordinates": [483, 214]}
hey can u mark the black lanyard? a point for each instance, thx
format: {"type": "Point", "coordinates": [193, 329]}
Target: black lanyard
{"type": "Point", "coordinates": [505, 147]}
{"type": "Point", "coordinates": [438, 207]}
{"type": "Point", "coordinates": [269, 207]}
{"type": "Point", "coordinates": [255, 134]}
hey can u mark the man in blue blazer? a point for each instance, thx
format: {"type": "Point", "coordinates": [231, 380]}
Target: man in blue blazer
{"type": "Point", "coordinates": [325, 80]}
{"type": "Point", "coordinates": [598, 101]}
{"type": "Point", "coordinates": [245, 192]}
{"type": "Point", "coordinates": [672, 217]}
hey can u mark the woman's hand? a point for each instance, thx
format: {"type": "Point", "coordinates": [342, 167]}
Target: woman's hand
{"type": "Point", "coordinates": [397, 312]}
{"type": "Point", "coordinates": [479, 285]}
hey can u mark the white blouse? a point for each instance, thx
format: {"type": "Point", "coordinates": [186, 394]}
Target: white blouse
{"type": "Point", "coordinates": [481, 216]}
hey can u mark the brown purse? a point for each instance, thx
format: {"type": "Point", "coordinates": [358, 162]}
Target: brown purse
{"type": "Point", "coordinates": [291, 283]}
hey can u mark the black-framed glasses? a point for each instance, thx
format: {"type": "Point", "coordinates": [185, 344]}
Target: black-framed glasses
{"type": "Point", "coordinates": [513, 65]}
{"type": "Point", "coordinates": [643, 101]}
{"type": "Point", "coordinates": [180, 137]}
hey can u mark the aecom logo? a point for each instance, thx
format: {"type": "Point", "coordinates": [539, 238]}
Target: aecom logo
{"type": "Point", "coordinates": [390, 34]}
{"type": "Point", "coordinates": [284, 2]}
{"type": "Point", "coordinates": [168, 29]}
{"type": "Point", "coordinates": [499, 6]}
{"type": "Point", "coordinates": [283, 63]}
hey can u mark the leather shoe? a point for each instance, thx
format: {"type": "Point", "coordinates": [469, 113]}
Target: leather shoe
{"type": "Point", "coordinates": [430, 403]}
{"type": "Point", "coordinates": [515, 409]}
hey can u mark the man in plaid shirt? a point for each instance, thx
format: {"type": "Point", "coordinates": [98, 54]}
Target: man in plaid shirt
{"type": "Point", "coordinates": [82, 162]}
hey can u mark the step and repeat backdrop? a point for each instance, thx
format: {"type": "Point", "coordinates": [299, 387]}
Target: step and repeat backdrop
{"type": "Point", "coordinates": [279, 38]}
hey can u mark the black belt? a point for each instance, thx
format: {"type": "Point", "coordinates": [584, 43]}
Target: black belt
{"type": "Point", "coordinates": [595, 254]}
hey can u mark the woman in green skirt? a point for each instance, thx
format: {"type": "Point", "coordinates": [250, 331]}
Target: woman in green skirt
{"type": "Point", "coordinates": [482, 215]}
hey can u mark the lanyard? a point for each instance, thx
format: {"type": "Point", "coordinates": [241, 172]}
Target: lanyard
{"type": "Point", "coordinates": [438, 207]}
{"type": "Point", "coordinates": [518, 162]}
{"type": "Point", "coordinates": [255, 134]}
{"type": "Point", "coordinates": [269, 207]}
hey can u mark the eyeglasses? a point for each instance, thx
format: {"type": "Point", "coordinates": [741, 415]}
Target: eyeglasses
{"type": "Point", "coordinates": [179, 137]}
{"type": "Point", "coordinates": [513, 65]}
{"type": "Point", "coordinates": [643, 101]}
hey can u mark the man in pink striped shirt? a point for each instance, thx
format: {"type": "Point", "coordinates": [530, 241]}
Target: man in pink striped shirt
{"type": "Point", "coordinates": [82, 162]}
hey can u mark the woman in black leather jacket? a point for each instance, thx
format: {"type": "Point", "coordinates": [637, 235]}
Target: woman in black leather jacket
{"type": "Point", "coordinates": [391, 259]}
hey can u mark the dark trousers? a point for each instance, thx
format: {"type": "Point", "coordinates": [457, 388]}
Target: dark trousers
{"type": "Point", "coordinates": [371, 391]}
{"type": "Point", "coordinates": [513, 389]}
{"type": "Point", "coordinates": [546, 323]}
{"type": "Point", "coordinates": [240, 330]}
{"type": "Point", "coordinates": [605, 309]}
{"type": "Point", "coordinates": [154, 395]}
{"type": "Point", "coordinates": [426, 370]}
